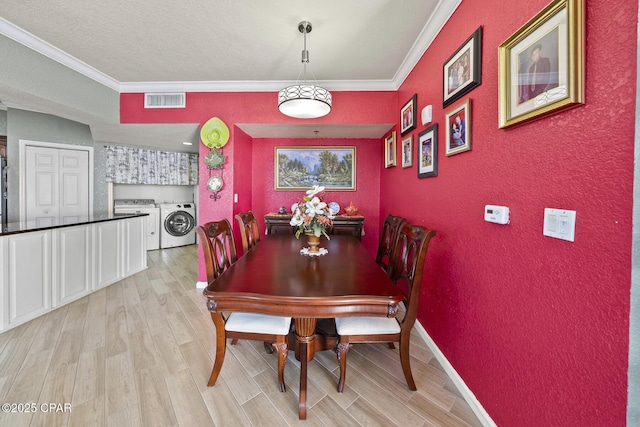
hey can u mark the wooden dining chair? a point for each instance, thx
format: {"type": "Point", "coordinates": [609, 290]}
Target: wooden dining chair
{"type": "Point", "coordinates": [218, 246]}
{"type": "Point", "coordinates": [407, 264]}
{"type": "Point", "coordinates": [388, 237]}
{"type": "Point", "coordinates": [248, 230]}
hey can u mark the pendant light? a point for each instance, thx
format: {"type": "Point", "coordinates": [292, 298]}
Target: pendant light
{"type": "Point", "coordinates": [304, 100]}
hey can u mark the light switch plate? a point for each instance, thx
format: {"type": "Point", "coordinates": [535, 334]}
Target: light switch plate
{"type": "Point", "coordinates": [559, 223]}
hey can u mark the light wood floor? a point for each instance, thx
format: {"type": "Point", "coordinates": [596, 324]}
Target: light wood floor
{"type": "Point", "coordinates": [140, 352]}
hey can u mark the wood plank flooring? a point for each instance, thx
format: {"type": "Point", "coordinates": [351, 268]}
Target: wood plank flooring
{"type": "Point", "coordinates": [140, 352]}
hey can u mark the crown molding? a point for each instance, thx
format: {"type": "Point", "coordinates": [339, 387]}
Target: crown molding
{"type": "Point", "coordinates": [442, 13]}
{"type": "Point", "coordinates": [29, 40]}
{"type": "Point", "coordinates": [251, 86]}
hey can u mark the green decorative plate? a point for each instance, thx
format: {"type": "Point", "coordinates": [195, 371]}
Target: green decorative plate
{"type": "Point", "coordinates": [215, 159]}
{"type": "Point", "coordinates": [214, 133]}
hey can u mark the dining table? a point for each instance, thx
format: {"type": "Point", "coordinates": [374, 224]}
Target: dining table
{"type": "Point", "coordinates": [275, 278]}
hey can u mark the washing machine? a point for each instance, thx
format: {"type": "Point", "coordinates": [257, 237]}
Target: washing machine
{"type": "Point", "coordinates": [135, 206]}
{"type": "Point", "coordinates": [177, 224]}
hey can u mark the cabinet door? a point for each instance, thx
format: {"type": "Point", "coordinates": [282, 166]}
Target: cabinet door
{"type": "Point", "coordinates": [108, 253]}
{"type": "Point", "coordinates": [29, 280]}
{"type": "Point", "coordinates": [134, 254]}
{"type": "Point", "coordinates": [72, 260]}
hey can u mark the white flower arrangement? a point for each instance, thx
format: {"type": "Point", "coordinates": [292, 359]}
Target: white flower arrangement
{"type": "Point", "coordinates": [311, 214]}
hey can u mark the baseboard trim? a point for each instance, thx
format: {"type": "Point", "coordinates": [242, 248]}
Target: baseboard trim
{"type": "Point", "coordinates": [201, 285]}
{"type": "Point", "coordinates": [468, 395]}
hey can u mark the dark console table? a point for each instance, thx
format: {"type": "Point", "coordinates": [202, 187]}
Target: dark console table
{"type": "Point", "coordinates": [343, 225]}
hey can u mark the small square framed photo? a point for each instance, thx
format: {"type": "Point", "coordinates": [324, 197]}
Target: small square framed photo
{"type": "Point", "coordinates": [462, 72]}
{"type": "Point", "coordinates": [408, 115]}
{"type": "Point", "coordinates": [407, 152]}
{"type": "Point", "coordinates": [428, 152]}
{"type": "Point", "coordinates": [459, 129]}
{"type": "Point", "coordinates": [390, 150]}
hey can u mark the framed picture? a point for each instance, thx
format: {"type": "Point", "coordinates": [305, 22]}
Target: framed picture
{"type": "Point", "coordinates": [390, 150]}
{"type": "Point", "coordinates": [428, 152]}
{"type": "Point", "coordinates": [407, 152]}
{"type": "Point", "coordinates": [541, 66]}
{"type": "Point", "coordinates": [463, 70]}
{"type": "Point", "coordinates": [408, 115]}
{"type": "Point", "coordinates": [459, 128]}
{"type": "Point", "coordinates": [299, 168]}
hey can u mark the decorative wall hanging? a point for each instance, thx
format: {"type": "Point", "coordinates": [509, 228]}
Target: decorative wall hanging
{"type": "Point", "coordinates": [463, 70]}
{"type": "Point", "coordinates": [409, 115]}
{"type": "Point", "coordinates": [298, 168]}
{"type": "Point", "coordinates": [541, 66]}
{"type": "Point", "coordinates": [459, 128]}
{"type": "Point", "coordinates": [428, 152]}
{"type": "Point", "coordinates": [214, 135]}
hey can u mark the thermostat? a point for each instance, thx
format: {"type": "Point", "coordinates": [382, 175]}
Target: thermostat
{"type": "Point", "coordinates": [497, 214]}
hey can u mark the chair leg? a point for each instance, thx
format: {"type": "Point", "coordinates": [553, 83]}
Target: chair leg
{"type": "Point", "coordinates": [283, 352]}
{"type": "Point", "coordinates": [391, 346]}
{"type": "Point", "coordinates": [268, 346]}
{"type": "Point", "coordinates": [221, 347]}
{"type": "Point", "coordinates": [234, 341]}
{"type": "Point", "coordinates": [343, 347]}
{"type": "Point", "coordinates": [406, 363]}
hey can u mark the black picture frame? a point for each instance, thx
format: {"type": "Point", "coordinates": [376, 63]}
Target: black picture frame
{"type": "Point", "coordinates": [409, 115]}
{"type": "Point", "coordinates": [466, 60]}
{"type": "Point", "coordinates": [427, 152]}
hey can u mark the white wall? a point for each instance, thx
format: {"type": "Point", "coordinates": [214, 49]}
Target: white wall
{"type": "Point", "coordinates": [159, 193]}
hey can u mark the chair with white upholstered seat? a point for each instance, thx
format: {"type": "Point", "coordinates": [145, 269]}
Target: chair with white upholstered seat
{"type": "Point", "coordinates": [406, 267]}
{"type": "Point", "coordinates": [218, 246]}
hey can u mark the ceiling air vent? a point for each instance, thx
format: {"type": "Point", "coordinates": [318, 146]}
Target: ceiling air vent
{"type": "Point", "coordinates": [164, 100]}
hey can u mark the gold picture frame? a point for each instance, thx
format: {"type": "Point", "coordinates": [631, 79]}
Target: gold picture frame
{"type": "Point", "coordinates": [300, 167]}
{"type": "Point", "coordinates": [458, 134]}
{"type": "Point", "coordinates": [390, 150]}
{"type": "Point", "coordinates": [541, 66]}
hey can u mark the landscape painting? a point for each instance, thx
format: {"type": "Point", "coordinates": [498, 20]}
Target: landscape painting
{"type": "Point", "coordinates": [300, 168]}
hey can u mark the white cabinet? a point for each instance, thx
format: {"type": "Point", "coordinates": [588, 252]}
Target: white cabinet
{"type": "Point", "coordinates": [72, 263]}
{"type": "Point", "coordinates": [134, 251]}
{"type": "Point", "coordinates": [108, 253]}
{"type": "Point", "coordinates": [28, 285]}
{"type": "Point", "coordinates": [41, 270]}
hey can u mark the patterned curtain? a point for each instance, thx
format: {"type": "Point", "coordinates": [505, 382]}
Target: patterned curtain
{"type": "Point", "coordinates": [128, 165]}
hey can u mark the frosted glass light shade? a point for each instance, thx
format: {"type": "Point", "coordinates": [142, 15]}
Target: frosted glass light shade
{"type": "Point", "coordinates": [304, 101]}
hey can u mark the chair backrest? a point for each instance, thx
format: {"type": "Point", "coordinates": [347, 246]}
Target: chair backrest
{"type": "Point", "coordinates": [218, 246]}
{"type": "Point", "coordinates": [407, 265]}
{"type": "Point", "coordinates": [388, 236]}
{"type": "Point", "coordinates": [248, 230]}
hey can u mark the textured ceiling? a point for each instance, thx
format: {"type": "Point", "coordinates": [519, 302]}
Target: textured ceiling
{"type": "Point", "coordinates": [221, 45]}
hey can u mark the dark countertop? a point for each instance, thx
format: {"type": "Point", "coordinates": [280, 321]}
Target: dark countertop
{"type": "Point", "coordinates": [28, 226]}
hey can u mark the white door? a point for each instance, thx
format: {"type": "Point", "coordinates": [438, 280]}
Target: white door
{"type": "Point", "coordinates": [57, 185]}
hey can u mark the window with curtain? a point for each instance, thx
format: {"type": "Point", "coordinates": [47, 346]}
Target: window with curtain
{"type": "Point", "coordinates": [129, 165]}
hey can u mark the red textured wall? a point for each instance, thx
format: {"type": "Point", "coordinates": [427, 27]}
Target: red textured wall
{"type": "Point", "coordinates": [366, 197]}
{"type": "Point", "coordinates": [537, 327]}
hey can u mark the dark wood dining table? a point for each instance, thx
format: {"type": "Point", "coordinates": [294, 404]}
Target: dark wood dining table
{"type": "Point", "coordinates": [275, 278]}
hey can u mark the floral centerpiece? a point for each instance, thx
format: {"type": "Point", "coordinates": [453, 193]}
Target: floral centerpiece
{"type": "Point", "coordinates": [311, 214]}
